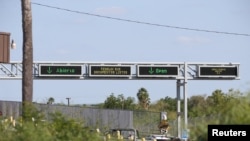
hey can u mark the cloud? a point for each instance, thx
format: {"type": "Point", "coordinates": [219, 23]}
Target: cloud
{"type": "Point", "coordinates": [110, 11]}
{"type": "Point", "coordinates": [192, 40]}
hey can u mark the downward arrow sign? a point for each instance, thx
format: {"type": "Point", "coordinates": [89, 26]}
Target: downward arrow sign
{"type": "Point", "coordinates": [151, 71]}
{"type": "Point", "coordinates": [49, 70]}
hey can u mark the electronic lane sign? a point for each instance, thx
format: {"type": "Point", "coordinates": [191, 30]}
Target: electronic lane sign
{"type": "Point", "coordinates": [218, 71]}
{"type": "Point", "coordinates": [60, 70]}
{"type": "Point", "coordinates": [109, 71]}
{"type": "Point", "coordinates": [157, 71]}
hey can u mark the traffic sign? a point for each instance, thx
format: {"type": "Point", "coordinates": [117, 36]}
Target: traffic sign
{"type": "Point", "coordinates": [109, 71]}
{"type": "Point", "coordinates": [184, 134]}
{"type": "Point", "coordinates": [157, 71]}
{"type": "Point", "coordinates": [60, 70]}
{"type": "Point", "coordinates": [218, 71]}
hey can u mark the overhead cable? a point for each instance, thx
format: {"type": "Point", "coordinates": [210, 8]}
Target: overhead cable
{"type": "Point", "coordinates": [140, 22]}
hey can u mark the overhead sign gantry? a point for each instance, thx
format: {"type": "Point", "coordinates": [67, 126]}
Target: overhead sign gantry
{"type": "Point", "coordinates": [126, 70]}
{"type": "Point", "coordinates": [181, 72]}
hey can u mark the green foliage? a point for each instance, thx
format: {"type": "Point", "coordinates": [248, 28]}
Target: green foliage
{"type": "Point", "coordinates": [119, 102]}
{"type": "Point", "coordinates": [196, 106]}
{"type": "Point", "coordinates": [29, 112]}
{"type": "Point", "coordinates": [51, 100]}
{"type": "Point", "coordinates": [221, 108]}
{"type": "Point", "coordinates": [231, 107]}
{"type": "Point", "coordinates": [64, 129]}
{"type": "Point", "coordinates": [59, 128]}
{"type": "Point", "coordinates": [143, 97]}
{"type": "Point", "coordinates": [166, 104]}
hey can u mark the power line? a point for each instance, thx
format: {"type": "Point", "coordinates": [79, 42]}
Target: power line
{"type": "Point", "coordinates": [140, 22]}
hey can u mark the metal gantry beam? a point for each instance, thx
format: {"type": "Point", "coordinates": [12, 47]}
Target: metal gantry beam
{"type": "Point", "coordinates": [124, 70]}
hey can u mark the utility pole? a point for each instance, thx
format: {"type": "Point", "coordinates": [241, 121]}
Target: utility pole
{"type": "Point", "coordinates": [68, 100]}
{"type": "Point", "coordinates": [27, 78]}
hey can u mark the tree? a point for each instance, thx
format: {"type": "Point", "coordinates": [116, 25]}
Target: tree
{"type": "Point", "coordinates": [197, 105]}
{"type": "Point", "coordinates": [129, 103]}
{"type": "Point", "coordinates": [51, 100]}
{"type": "Point", "coordinates": [143, 97]}
{"type": "Point", "coordinates": [216, 102]}
{"type": "Point", "coordinates": [222, 108]}
{"type": "Point", "coordinates": [27, 74]}
{"type": "Point", "coordinates": [165, 104]}
{"type": "Point", "coordinates": [119, 102]}
{"type": "Point", "coordinates": [111, 102]}
{"type": "Point", "coordinates": [171, 103]}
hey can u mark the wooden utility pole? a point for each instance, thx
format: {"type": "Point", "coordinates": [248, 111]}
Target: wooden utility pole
{"type": "Point", "coordinates": [27, 78]}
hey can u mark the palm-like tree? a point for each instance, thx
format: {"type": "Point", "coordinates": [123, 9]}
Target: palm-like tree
{"type": "Point", "coordinates": [143, 98]}
{"type": "Point", "coordinates": [51, 100]}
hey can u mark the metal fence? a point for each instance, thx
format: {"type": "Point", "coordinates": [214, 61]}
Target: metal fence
{"type": "Point", "coordinates": [145, 121]}
{"type": "Point", "coordinates": [10, 108]}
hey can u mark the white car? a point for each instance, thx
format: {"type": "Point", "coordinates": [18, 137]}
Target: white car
{"type": "Point", "coordinates": [157, 137]}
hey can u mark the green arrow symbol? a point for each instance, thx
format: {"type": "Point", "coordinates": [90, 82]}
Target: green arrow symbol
{"type": "Point", "coordinates": [151, 71]}
{"type": "Point", "coordinates": [49, 70]}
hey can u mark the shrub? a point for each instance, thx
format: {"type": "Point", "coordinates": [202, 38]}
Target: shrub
{"type": "Point", "coordinates": [59, 128]}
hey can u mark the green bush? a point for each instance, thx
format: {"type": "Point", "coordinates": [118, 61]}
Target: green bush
{"type": "Point", "coordinates": [235, 111]}
{"type": "Point", "coordinates": [59, 128]}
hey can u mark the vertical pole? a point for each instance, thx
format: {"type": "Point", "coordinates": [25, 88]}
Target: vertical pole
{"type": "Point", "coordinates": [27, 74]}
{"type": "Point", "coordinates": [68, 100]}
{"type": "Point", "coordinates": [185, 99]}
{"type": "Point", "coordinates": [178, 84]}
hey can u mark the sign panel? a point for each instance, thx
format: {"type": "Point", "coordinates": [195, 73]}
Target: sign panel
{"type": "Point", "coordinates": [60, 70]}
{"type": "Point", "coordinates": [109, 71]}
{"type": "Point", "coordinates": [157, 71]}
{"type": "Point", "coordinates": [218, 71]}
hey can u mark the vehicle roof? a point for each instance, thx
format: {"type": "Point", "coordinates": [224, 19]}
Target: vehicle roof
{"type": "Point", "coordinates": [159, 136]}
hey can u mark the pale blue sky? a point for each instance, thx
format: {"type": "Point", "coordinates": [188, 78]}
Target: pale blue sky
{"type": "Point", "coordinates": [60, 35]}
